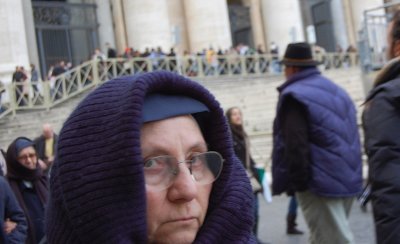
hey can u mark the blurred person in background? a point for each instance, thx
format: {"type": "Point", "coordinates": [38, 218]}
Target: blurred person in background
{"type": "Point", "coordinates": [46, 145]}
{"type": "Point", "coordinates": [241, 145]}
{"type": "Point", "coordinates": [316, 147]}
{"type": "Point", "coordinates": [381, 119]}
{"type": "Point", "coordinates": [13, 225]}
{"type": "Point", "coordinates": [29, 184]}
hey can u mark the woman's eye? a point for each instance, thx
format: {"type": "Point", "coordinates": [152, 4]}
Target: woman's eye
{"type": "Point", "coordinates": [197, 161]}
{"type": "Point", "coordinates": [150, 163]}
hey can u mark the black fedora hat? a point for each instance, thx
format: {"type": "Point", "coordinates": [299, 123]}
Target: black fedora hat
{"type": "Point", "coordinates": [299, 54]}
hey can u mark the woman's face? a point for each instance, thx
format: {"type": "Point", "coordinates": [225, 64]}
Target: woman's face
{"type": "Point", "coordinates": [236, 117]}
{"type": "Point", "coordinates": [28, 158]}
{"type": "Point", "coordinates": [175, 214]}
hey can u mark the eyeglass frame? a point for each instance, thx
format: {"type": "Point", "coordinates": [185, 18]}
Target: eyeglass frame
{"type": "Point", "coordinates": [175, 171]}
{"type": "Point", "coordinates": [25, 157]}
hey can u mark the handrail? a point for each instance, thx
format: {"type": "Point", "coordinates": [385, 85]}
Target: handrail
{"type": "Point", "coordinates": [47, 94]}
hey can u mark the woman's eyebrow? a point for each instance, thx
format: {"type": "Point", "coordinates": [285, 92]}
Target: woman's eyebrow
{"type": "Point", "coordinates": [159, 150]}
{"type": "Point", "coordinates": [154, 151]}
{"type": "Point", "coordinates": [200, 145]}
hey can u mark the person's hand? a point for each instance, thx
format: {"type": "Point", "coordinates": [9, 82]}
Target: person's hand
{"type": "Point", "coordinates": [42, 164]}
{"type": "Point", "coordinates": [50, 161]}
{"type": "Point", "coordinates": [9, 226]}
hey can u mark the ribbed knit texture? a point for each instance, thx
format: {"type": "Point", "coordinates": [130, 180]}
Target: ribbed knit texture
{"type": "Point", "coordinates": [97, 183]}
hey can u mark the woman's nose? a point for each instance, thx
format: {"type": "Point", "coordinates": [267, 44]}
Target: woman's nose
{"type": "Point", "coordinates": [184, 187]}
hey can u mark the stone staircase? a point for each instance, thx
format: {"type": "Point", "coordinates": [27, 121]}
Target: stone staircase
{"type": "Point", "coordinates": [256, 96]}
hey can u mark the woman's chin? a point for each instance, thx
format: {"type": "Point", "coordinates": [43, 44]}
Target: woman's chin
{"type": "Point", "coordinates": [176, 238]}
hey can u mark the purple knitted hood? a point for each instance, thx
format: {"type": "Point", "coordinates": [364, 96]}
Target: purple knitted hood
{"type": "Point", "coordinates": [97, 182]}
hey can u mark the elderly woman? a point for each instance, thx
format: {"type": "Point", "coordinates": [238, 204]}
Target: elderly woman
{"type": "Point", "coordinates": [148, 159]}
{"type": "Point", "coordinates": [29, 185]}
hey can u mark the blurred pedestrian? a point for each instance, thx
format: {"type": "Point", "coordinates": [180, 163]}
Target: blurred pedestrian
{"type": "Point", "coordinates": [291, 225]}
{"type": "Point", "coordinates": [29, 185]}
{"type": "Point", "coordinates": [13, 225]}
{"type": "Point", "coordinates": [381, 119]}
{"type": "Point", "coordinates": [35, 81]}
{"type": "Point", "coordinates": [19, 77]}
{"type": "Point", "coordinates": [241, 145]}
{"type": "Point", "coordinates": [316, 150]}
{"type": "Point", "coordinates": [111, 53]}
{"type": "Point", "coordinates": [46, 145]}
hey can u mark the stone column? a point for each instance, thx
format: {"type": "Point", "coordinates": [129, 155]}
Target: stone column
{"type": "Point", "coordinates": [177, 20]}
{"type": "Point", "coordinates": [106, 32]}
{"type": "Point", "coordinates": [147, 24]}
{"type": "Point", "coordinates": [349, 18]}
{"type": "Point", "coordinates": [119, 25]}
{"type": "Point", "coordinates": [339, 24]}
{"type": "Point", "coordinates": [282, 22]}
{"type": "Point", "coordinates": [208, 24]}
{"type": "Point", "coordinates": [257, 24]}
{"type": "Point", "coordinates": [33, 53]}
{"type": "Point", "coordinates": [13, 38]}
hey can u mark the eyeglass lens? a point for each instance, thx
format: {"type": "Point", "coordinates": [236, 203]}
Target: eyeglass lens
{"type": "Point", "coordinates": [25, 157]}
{"type": "Point", "coordinates": [204, 167]}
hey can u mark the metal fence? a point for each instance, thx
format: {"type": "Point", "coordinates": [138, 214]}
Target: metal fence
{"type": "Point", "coordinates": [49, 93]}
{"type": "Point", "coordinates": [372, 42]}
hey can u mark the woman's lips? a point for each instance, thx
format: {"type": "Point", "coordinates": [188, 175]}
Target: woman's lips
{"type": "Point", "coordinates": [184, 219]}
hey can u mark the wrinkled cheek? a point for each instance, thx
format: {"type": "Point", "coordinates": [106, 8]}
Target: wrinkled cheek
{"type": "Point", "coordinates": [204, 200]}
{"type": "Point", "coordinates": [153, 202]}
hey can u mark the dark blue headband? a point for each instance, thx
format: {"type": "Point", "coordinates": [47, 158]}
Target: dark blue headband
{"type": "Point", "coordinates": [160, 106]}
{"type": "Point", "coordinates": [22, 143]}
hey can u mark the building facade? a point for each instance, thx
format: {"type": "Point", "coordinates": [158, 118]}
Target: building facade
{"type": "Point", "coordinates": [45, 32]}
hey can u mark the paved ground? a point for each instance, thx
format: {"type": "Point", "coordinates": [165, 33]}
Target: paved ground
{"type": "Point", "coordinates": [272, 225]}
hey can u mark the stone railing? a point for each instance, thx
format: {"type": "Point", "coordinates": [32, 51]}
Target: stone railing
{"type": "Point", "coordinates": [46, 94]}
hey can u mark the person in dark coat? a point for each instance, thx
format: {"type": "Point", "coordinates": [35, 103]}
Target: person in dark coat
{"type": "Point", "coordinates": [29, 185]}
{"type": "Point", "coordinates": [58, 70]}
{"type": "Point", "coordinates": [18, 78]}
{"type": "Point", "coordinates": [381, 120]}
{"type": "Point", "coordinates": [316, 147]}
{"type": "Point", "coordinates": [13, 225]}
{"type": "Point", "coordinates": [111, 53]}
{"type": "Point", "coordinates": [148, 159]}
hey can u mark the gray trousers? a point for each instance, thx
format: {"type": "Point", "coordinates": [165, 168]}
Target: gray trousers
{"type": "Point", "coordinates": [327, 218]}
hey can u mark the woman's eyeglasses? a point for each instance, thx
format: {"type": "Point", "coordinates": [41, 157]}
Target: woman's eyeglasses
{"type": "Point", "coordinates": [161, 171]}
{"type": "Point", "coordinates": [25, 157]}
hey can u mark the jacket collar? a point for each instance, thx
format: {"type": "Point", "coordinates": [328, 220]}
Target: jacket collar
{"type": "Point", "coordinates": [299, 76]}
{"type": "Point", "coordinates": [389, 72]}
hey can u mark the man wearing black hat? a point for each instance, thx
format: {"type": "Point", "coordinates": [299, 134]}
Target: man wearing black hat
{"type": "Point", "coordinates": [316, 152]}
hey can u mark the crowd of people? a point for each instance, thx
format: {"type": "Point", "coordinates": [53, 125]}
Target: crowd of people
{"type": "Point", "coordinates": [28, 85]}
{"type": "Point", "coordinates": [153, 158]}
{"type": "Point", "coordinates": [235, 60]}
{"type": "Point", "coordinates": [212, 61]}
